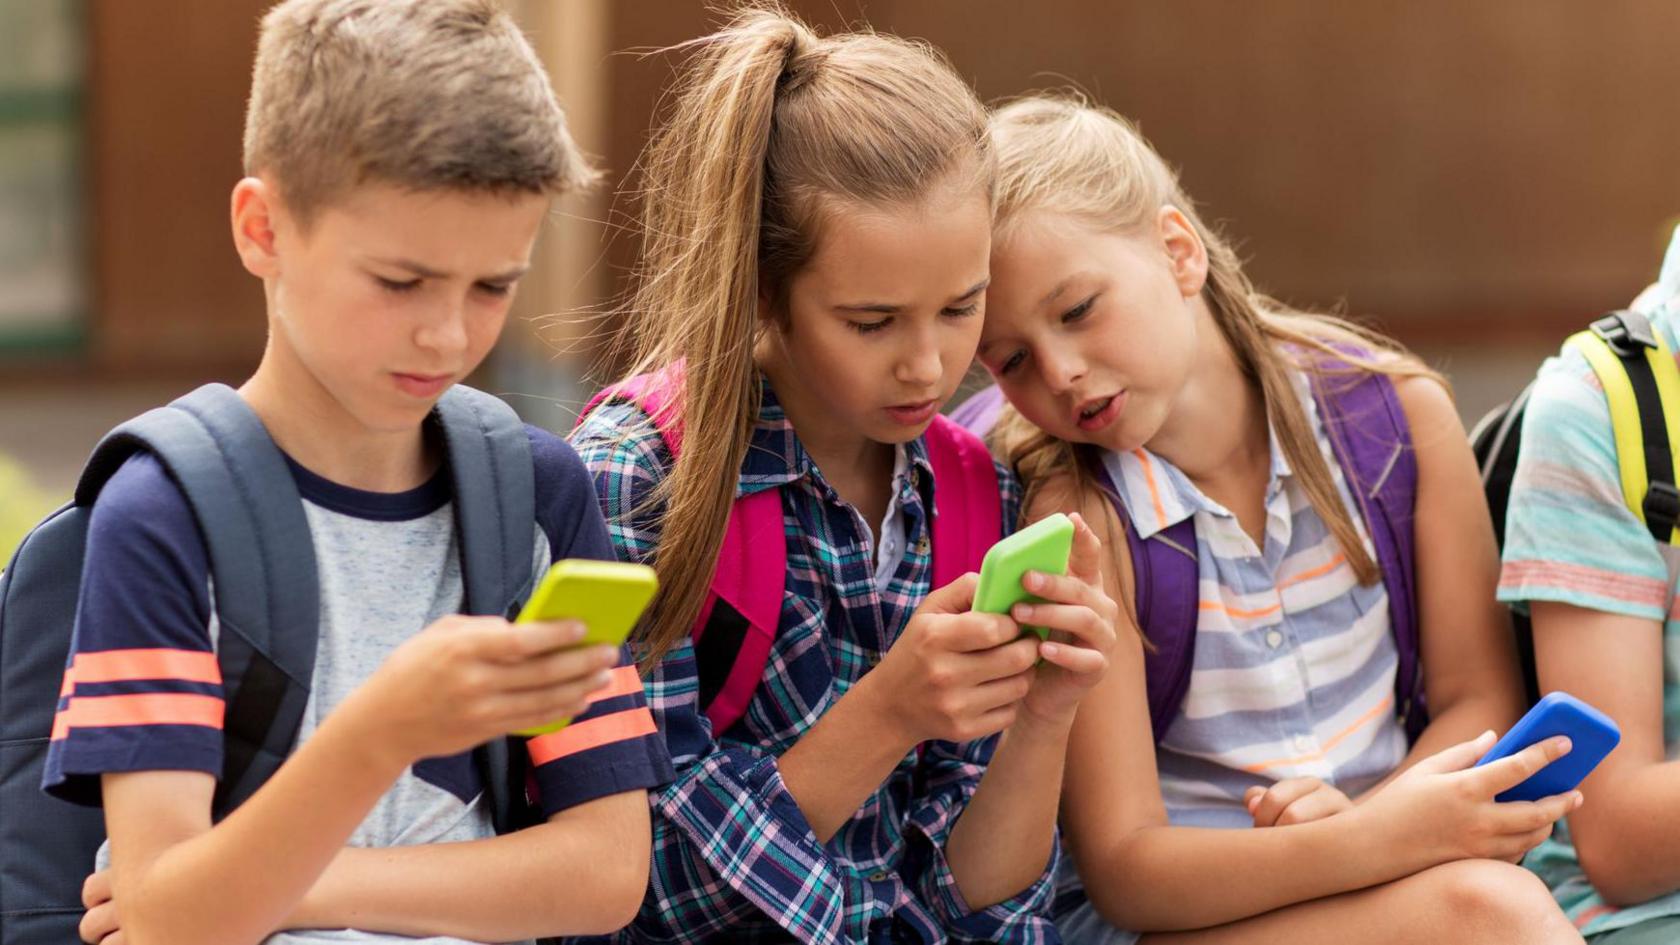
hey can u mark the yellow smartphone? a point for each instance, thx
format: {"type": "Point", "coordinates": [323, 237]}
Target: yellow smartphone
{"type": "Point", "coordinates": [608, 597]}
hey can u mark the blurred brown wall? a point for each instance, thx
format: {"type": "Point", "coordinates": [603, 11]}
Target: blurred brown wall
{"type": "Point", "coordinates": [166, 105]}
{"type": "Point", "coordinates": [1473, 171]}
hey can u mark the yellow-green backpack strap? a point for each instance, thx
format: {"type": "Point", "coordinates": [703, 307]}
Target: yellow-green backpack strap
{"type": "Point", "coordinates": [1642, 385]}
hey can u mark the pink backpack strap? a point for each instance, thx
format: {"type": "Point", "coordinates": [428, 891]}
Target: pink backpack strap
{"type": "Point", "coordinates": [751, 568]}
{"type": "Point", "coordinates": [968, 503]}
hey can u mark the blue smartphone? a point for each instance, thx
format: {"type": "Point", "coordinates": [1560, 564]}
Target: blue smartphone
{"type": "Point", "coordinates": [1592, 735]}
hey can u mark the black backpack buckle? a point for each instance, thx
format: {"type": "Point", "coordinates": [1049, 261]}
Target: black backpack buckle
{"type": "Point", "coordinates": [1626, 332]}
{"type": "Point", "coordinates": [1662, 509]}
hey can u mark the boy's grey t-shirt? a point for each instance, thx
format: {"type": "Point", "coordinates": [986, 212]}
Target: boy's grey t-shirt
{"type": "Point", "coordinates": [389, 565]}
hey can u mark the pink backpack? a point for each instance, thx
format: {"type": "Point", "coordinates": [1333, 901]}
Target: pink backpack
{"type": "Point", "coordinates": [740, 618]}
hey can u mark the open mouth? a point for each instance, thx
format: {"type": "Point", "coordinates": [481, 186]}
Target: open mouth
{"type": "Point", "coordinates": [1099, 412]}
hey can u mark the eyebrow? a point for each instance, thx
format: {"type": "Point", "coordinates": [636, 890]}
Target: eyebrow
{"type": "Point", "coordinates": [1053, 293]}
{"type": "Point", "coordinates": [427, 272]}
{"type": "Point", "coordinates": [888, 308]}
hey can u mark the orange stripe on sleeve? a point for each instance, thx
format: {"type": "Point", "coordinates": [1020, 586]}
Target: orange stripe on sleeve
{"type": "Point", "coordinates": [582, 736]}
{"type": "Point", "coordinates": [127, 665]}
{"type": "Point", "coordinates": [623, 681]}
{"type": "Point", "coordinates": [150, 708]}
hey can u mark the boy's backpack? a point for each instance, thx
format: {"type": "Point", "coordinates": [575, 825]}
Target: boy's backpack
{"type": "Point", "coordinates": [1373, 446]}
{"type": "Point", "coordinates": [738, 622]}
{"type": "Point", "coordinates": [1642, 384]}
{"type": "Point", "coordinates": [267, 602]}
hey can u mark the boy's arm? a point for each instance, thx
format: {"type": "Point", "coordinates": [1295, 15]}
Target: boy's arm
{"type": "Point", "coordinates": [1626, 833]}
{"type": "Point", "coordinates": [459, 682]}
{"type": "Point", "coordinates": [583, 872]}
{"type": "Point", "coordinates": [1599, 592]}
{"type": "Point", "coordinates": [182, 882]}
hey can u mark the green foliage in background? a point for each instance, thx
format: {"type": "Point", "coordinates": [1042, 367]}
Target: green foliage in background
{"type": "Point", "coordinates": [22, 505]}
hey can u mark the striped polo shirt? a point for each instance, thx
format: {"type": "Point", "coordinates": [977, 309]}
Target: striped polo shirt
{"type": "Point", "coordinates": [1293, 673]}
{"type": "Point", "coordinates": [1570, 538]}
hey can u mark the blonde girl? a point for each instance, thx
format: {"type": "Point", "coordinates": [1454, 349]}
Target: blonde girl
{"type": "Point", "coordinates": [1278, 798]}
{"type": "Point", "coordinates": [817, 215]}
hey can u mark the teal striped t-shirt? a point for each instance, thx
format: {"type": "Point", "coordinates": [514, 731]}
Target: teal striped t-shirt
{"type": "Point", "coordinates": [1570, 538]}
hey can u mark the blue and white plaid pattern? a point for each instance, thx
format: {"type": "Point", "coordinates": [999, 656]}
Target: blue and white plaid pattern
{"type": "Point", "coordinates": [733, 856]}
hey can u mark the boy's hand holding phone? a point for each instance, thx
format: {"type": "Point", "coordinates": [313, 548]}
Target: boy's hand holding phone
{"type": "Point", "coordinates": [466, 680]}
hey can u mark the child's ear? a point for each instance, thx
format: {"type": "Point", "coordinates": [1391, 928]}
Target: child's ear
{"type": "Point", "coordinates": [1186, 253]}
{"type": "Point", "coordinates": [253, 213]}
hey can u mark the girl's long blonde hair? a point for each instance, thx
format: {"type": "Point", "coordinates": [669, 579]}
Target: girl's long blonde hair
{"type": "Point", "coordinates": [1061, 154]}
{"type": "Point", "coordinates": [768, 122]}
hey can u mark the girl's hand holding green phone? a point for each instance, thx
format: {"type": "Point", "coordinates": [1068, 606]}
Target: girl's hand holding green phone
{"type": "Point", "coordinates": [1042, 546]}
{"type": "Point", "coordinates": [607, 597]}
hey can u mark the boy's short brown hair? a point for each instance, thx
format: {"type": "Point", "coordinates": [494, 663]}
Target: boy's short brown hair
{"type": "Point", "coordinates": [422, 94]}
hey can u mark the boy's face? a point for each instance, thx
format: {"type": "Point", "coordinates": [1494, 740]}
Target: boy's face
{"type": "Point", "coordinates": [390, 296]}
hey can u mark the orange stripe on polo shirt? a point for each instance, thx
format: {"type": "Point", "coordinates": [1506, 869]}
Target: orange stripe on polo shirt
{"type": "Point", "coordinates": [149, 708]}
{"type": "Point", "coordinates": [1319, 571]}
{"type": "Point", "coordinates": [582, 736]}
{"type": "Point", "coordinates": [623, 681]}
{"type": "Point", "coordinates": [1154, 490]}
{"type": "Point", "coordinates": [1375, 712]}
{"type": "Point", "coordinates": [1236, 612]}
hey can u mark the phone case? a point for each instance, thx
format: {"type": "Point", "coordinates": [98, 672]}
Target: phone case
{"type": "Point", "coordinates": [1042, 546]}
{"type": "Point", "coordinates": [607, 596]}
{"type": "Point", "coordinates": [1592, 735]}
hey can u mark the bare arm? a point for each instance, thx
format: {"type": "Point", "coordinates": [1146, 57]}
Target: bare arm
{"type": "Point", "coordinates": [459, 682]}
{"type": "Point", "coordinates": [1467, 649]}
{"type": "Point", "coordinates": [584, 872]}
{"type": "Point", "coordinates": [1143, 874]}
{"type": "Point", "coordinates": [1626, 833]}
{"type": "Point", "coordinates": [182, 882]}
{"type": "Point", "coordinates": [1002, 841]}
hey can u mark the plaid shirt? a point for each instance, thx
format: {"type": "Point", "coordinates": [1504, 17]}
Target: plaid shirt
{"type": "Point", "coordinates": [733, 856]}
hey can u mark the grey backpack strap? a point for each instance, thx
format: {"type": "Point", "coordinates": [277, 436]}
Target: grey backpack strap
{"type": "Point", "coordinates": [495, 514]}
{"type": "Point", "coordinates": [495, 497]}
{"type": "Point", "coordinates": [262, 561]}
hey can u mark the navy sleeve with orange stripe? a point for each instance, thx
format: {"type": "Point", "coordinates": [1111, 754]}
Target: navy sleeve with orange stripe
{"type": "Point", "coordinates": [142, 690]}
{"type": "Point", "coordinates": [614, 746]}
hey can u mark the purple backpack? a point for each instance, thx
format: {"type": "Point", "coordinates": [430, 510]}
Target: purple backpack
{"type": "Point", "coordinates": [740, 618]}
{"type": "Point", "coordinates": [1373, 445]}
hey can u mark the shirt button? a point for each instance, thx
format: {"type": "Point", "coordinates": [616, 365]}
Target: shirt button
{"type": "Point", "coordinates": [879, 876]}
{"type": "Point", "coordinates": [1274, 639]}
{"type": "Point", "coordinates": [1303, 743]}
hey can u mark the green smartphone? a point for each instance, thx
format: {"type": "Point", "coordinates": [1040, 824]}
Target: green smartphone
{"type": "Point", "coordinates": [608, 597]}
{"type": "Point", "coordinates": [1042, 546]}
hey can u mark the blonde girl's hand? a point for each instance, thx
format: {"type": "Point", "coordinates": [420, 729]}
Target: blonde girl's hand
{"type": "Point", "coordinates": [1294, 801]}
{"type": "Point", "coordinates": [1443, 809]}
{"type": "Point", "coordinates": [1081, 617]}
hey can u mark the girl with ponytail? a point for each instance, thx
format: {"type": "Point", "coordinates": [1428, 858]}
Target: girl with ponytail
{"type": "Point", "coordinates": [1306, 720]}
{"type": "Point", "coordinates": [817, 215]}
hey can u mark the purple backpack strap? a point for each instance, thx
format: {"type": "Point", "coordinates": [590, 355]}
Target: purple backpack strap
{"type": "Point", "coordinates": [1167, 598]}
{"type": "Point", "coordinates": [979, 413]}
{"type": "Point", "coordinates": [752, 561]}
{"type": "Point", "coordinates": [968, 506]}
{"type": "Point", "coordinates": [1372, 441]}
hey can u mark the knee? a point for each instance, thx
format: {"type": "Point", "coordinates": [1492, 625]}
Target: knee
{"type": "Point", "coordinates": [1501, 903]}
